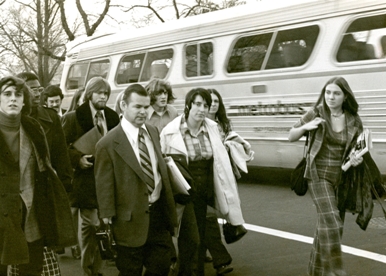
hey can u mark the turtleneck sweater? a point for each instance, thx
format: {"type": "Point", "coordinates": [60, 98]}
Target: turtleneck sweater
{"type": "Point", "coordinates": [10, 130]}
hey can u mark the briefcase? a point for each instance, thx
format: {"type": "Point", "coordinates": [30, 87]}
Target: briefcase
{"type": "Point", "coordinates": [106, 242]}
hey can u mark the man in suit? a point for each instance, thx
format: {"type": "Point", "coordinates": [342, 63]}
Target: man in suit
{"type": "Point", "coordinates": [134, 194]}
{"type": "Point", "coordinates": [52, 97]}
{"type": "Point", "coordinates": [92, 113]}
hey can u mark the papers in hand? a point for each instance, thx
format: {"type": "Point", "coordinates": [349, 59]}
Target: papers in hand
{"type": "Point", "coordinates": [86, 143]}
{"type": "Point", "coordinates": [177, 180]}
{"type": "Point", "coordinates": [363, 145]}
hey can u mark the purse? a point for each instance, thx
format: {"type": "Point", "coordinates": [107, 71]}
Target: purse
{"type": "Point", "coordinates": [233, 233]}
{"type": "Point", "coordinates": [106, 242]}
{"type": "Point", "coordinates": [297, 182]}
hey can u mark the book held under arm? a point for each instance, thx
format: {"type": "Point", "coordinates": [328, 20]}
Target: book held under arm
{"type": "Point", "coordinates": [86, 143]}
{"type": "Point", "coordinates": [363, 145]}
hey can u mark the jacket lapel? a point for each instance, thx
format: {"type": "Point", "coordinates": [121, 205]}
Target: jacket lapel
{"type": "Point", "coordinates": [352, 130]}
{"type": "Point", "coordinates": [176, 141]}
{"type": "Point", "coordinates": [126, 152]}
{"type": "Point", "coordinates": [25, 151]}
{"type": "Point", "coordinates": [84, 117]}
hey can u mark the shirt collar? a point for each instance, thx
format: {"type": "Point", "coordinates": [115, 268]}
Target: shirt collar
{"type": "Point", "coordinates": [184, 127]}
{"type": "Point", "coordinates": [94, 111]}
{"type": "Point", "coordinates": [130, 129]}
{"type": "Point", "coordinates": [151, 111]}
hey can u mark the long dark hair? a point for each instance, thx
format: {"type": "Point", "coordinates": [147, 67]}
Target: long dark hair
{"type": "Point", "coordinates": [349, 105]}
{"type": "Point", "coordinates": [221, 114]}
{"type": "Point", "coordinates": [20, 85]}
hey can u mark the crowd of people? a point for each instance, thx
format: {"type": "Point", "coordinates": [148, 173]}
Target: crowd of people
{"type": "Point", "coordinates": [66, 173]}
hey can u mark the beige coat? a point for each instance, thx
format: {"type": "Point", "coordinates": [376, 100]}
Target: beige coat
{"type": "Point", "coordinates": [227, 200]}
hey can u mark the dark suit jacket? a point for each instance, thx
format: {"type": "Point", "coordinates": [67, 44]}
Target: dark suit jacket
{"type": "Point", "coordinates": [75, 124]}
{"type": "Point", "coordinates": [50, 121]}
{"type": "Point", "coordinates": [121, 189]}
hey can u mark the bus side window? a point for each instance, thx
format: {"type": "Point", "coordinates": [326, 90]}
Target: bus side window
{"type": "Point", "coordinates": [249, 53]}
{"type": "Point", "coordinates": [129, 69]}
{"type": "Point", "coordinates": [383, 45]}
{"type": "Point", "coordinates": [98, 69]}
{"type": "Point", "coordinates": [361, 39]}
{"type": "Point", "coordinates": [199, 59]}
{"type": "Point", "coordinates": [76, 76]}
{"type": "Point", "coordinates": [293, 47]}
{"type": "Point", "coordinates": [157, 64]}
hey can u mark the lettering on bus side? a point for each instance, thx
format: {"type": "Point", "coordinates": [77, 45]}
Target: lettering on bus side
{"type": "Point", "coordinates": [278, 108]}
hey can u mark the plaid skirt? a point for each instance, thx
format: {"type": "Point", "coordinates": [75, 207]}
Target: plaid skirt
{"type": "Point", "coordinates": [326, 254]}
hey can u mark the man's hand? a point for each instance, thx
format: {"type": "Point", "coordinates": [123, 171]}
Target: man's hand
{"type": "Point", "coordinates": [84, 163]}
{"type": "Point", "coordinates": [107, 220]}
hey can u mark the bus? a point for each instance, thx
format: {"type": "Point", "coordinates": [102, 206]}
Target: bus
{"type": "Point", "coordinates": [268, 63]}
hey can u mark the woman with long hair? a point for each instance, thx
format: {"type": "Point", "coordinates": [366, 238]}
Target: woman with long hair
{"type": "Point", "coordinates": [334, 124]}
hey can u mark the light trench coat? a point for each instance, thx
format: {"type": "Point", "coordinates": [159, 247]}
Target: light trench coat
{"type": "Point", "coordinates": [227, 200]}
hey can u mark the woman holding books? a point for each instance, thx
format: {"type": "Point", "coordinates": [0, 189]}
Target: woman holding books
{"type": "Point", "coordinates": [334, 125]}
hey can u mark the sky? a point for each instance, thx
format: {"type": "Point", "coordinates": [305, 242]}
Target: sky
{"type": "Point", "coordinates": [110, 25]}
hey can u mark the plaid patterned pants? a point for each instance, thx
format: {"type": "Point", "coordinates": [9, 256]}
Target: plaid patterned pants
{"type": "Point", "coordinates": [326, 254]}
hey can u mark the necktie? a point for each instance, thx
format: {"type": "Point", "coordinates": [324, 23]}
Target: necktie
{"type": "Point", "coordinates": [145, 161]}
{"type": "Point", "coordinates": [98, 121]}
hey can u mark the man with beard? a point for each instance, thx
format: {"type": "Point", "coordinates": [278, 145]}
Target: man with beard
{"type": "Point", "coordinates": [93, 112]}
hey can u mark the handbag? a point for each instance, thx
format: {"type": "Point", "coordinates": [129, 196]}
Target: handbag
{"type": "Point", "coordinates": [106, 242]}
{"type": "Point", "coordinates": [297, 182]}
{"type": "Point", "coordinates": [233, 233]}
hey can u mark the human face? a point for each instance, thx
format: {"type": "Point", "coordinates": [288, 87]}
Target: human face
{"type": "Point", "coordinates": [199, 109]}
{"type": "Point", "coordinates": [334, 97]}
{"type": "Point", "coordinates": [161, 99]}
{"type": "Point", "coordinates": [11, 100]}
{"type": "Point", "coordinates": [35, 90]}
{"type": "Point", "coordinates": [136, 109]}
{"type": "Point", "coordinates": [54, 102]}
{"type": "Point", "coordinates": [99, 98]}
{"type": "Point", "coordinates": [215, 104]}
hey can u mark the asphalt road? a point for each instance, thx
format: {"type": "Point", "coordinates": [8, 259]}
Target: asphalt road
{"type": "Point", "coordinates": [281, 227]}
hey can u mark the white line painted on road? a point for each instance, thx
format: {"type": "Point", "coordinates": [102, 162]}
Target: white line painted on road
{"type": "Point", "coordinates": [290, 236]}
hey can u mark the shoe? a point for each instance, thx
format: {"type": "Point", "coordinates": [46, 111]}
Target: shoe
{"type": "Point", "coordinates": [224, 269]}
{"type": "Point", "coordinates": [75, 250]}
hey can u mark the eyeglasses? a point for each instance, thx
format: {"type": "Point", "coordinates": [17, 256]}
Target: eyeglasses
{"type": "Point", "coordinates": [199, 104]}
{"type": "Point", "coordinates": [38, 89]}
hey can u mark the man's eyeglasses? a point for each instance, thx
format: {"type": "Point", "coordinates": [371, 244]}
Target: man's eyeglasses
{"type": "Point", "coordinates": [199, 104]}
{"type": "Point", "coordinates": [38, 89]}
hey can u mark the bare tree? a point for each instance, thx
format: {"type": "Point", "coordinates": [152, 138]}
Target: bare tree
{"type": "Point", "coordinates": [86, 18]}
{"type": "Point", "coordinates": [181, 9]}
{"type": "Point", "coordinates": [32, 39]}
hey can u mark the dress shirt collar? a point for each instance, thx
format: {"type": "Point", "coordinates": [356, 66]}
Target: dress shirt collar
{"type": "Point", "coordinates": [94, 111]}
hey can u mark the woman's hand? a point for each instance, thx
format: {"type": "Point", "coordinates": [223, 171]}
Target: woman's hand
{"type": "Point", "coordinates": [313, 124]}
{"type": "Point", "coordinates": [355, 161]}
{"type": "Point", "coordinates": [296, 133]}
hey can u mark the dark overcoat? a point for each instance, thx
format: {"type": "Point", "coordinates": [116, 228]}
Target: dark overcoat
{"type": "Point", "coordinates": [75, 124]}
{"type": "Point", "coordinates": [50, 121]}
{"type": "Point", "coordinates": [50, 200]}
